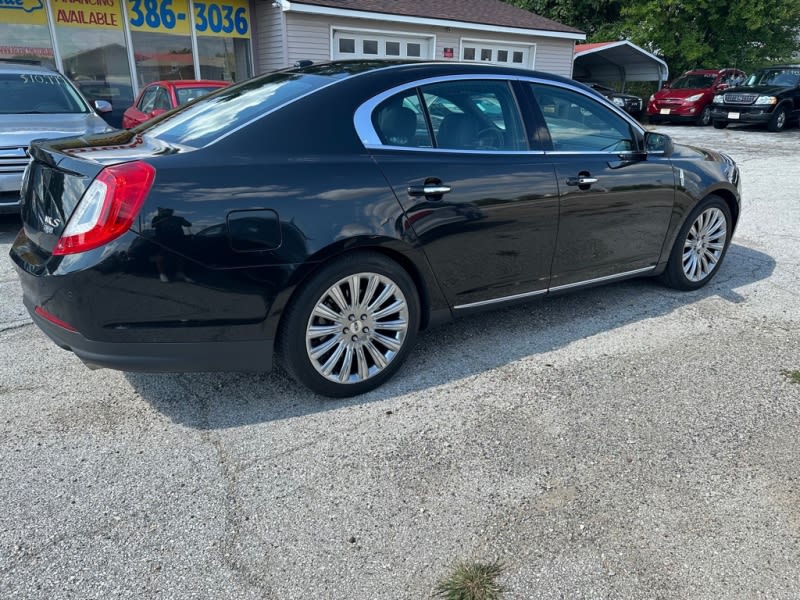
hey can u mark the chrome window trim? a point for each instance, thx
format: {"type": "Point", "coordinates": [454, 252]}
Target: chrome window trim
{"type": "Point", "coordinates": [362, 119]}
{"type": "Point", "coordinates": [568, 286]}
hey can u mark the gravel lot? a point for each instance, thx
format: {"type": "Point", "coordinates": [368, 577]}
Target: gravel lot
{"type": "Point", "coordinates": [621, 442]}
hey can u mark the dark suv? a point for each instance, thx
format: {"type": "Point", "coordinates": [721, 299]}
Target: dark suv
{"type": "Point", "coordinates": [770, 96]}
{"type": "Point", "coordinates": [627, 102]}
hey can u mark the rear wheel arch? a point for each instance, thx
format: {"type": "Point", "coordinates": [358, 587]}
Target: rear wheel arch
{"type": "Point", "coordinates": [337, 376]}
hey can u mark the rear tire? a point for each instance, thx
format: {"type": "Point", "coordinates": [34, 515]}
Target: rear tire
{"type": "Point", "coordinates": [351, 325]}
{"type": "Point", "coordinates": [700, 246]}
{"type": "Point", "coordinates": [779, 119]}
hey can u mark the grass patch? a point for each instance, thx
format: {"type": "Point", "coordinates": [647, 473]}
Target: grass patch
{"type": "Point", "coordinates": [792, 376]}
{"type": "Point", "coordinates": [472, 581]}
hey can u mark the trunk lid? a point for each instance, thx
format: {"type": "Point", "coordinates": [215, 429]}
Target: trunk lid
{"type": "Point", "coordinates": [60, 172]}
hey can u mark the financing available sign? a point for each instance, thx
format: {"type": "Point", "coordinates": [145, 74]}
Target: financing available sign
{"type": "Point", "coordinates": [94, 14]}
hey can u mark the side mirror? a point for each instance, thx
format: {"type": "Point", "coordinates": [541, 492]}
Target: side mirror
{"type": "Point", "coordinates": [103, 106]}
{"type": "Point", "coordinates": [665, 86]}
{"type": "Point", "coordinates": [658, 143]}
{"type": "Point", "coordinates": [157, 111]}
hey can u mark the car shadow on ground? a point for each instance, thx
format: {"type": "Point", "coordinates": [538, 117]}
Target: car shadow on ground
{"type": "Point", "coordinates": [448, 353]}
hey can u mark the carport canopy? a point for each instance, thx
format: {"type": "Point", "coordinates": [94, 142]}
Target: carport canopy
{"type": "Point", "coordinates": [617, 61]}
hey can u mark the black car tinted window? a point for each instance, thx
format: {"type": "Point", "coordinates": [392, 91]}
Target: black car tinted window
{"type": "Point", "coordinates": [221, 113]}
{"type": "Point", "coordinates": [464, 115]}
{"type": "Point", "coordinates": [475, 115]}
{"type": "Point", "coordinates": [22, 93]}
{"type": "Point", "coordinates": [578, 123]}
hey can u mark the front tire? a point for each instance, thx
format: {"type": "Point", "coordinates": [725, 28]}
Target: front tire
{"type": "Point", "coordinates": [351, 326]}
{"type": "Point", "coordinates": [700, 246]}
{"type": "Point", "coordinates": [778, 120]}
{"type": "Point", "coordinates": [704, 118]}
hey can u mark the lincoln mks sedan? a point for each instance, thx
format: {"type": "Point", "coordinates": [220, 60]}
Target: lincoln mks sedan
{"type": "Point", "coordinates": [322, 216]}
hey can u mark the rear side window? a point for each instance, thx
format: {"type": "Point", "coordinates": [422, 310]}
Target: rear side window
{"type": "Point", "coordinates": [32, 93]}
{"type": "Point", "coordinates": [206, 121]}
{"type": "Point", "coordinates": [479, 116]}
{"type": "Point", "coordinates": [185, 95]}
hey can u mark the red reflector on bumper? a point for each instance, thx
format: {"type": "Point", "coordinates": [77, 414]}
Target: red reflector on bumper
{"type": "Point", "coordinates": [54, 320]}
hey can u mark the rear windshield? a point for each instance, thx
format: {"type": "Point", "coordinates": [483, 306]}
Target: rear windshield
{"type": "Point", "coordinates": [200, 124]}
{"type": "Point", "coordinates": [187, 94]}
{"type": "Point", "coordinates": [38, 93]}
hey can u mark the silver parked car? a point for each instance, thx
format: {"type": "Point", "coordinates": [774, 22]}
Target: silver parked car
{"type": "Point", "coordinates": [37, 103]}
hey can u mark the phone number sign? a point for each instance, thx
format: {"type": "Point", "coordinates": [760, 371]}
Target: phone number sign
{"type": "Point", "coordinates": [226, 18]}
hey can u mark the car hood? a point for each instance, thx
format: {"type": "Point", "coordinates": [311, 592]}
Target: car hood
{"type": "Point", "coordinates": [763, 90]}
{"type": "Point", "coordinates": [681, 93]}
{"type": "Point", "coordinates": [695, 153]}
{"type": "Point", "coordinates": [21, 130]}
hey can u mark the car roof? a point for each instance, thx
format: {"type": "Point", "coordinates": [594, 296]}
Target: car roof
{"type": "Point", "coordinates": [21, 67]}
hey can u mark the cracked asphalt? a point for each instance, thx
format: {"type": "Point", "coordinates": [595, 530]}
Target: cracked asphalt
{"type": "Point", "coordinates": [627, 441]}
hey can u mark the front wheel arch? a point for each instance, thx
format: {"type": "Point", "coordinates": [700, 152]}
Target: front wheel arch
{"type": "Point", "coordinates": [703, 237]}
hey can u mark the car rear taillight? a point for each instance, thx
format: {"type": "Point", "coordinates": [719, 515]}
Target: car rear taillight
{"type": "Point", "coordinates": [107, 208]}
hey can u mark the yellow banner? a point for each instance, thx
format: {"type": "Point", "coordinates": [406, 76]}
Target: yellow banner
{"type": "Point", "coordinates": [23, 12]}
{"type": "Point", "coordinates": [222, 18]}
{"type": "Point", "coordinates": [92, 14]}
{"type": "Point", "coordinates": [162, 16]}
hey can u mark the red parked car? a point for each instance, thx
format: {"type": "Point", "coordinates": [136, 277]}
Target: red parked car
{"type": "Point", "coordinates": [160, 96]}
{"type": "Point", "coordinates": [689, 97]}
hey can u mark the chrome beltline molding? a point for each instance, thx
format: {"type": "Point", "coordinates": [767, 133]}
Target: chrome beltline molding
{"type": "Point", "coordinates": [555, 289]}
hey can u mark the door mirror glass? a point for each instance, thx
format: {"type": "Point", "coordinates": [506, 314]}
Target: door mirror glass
{"type": "Point", "coordinates": [658, 143]}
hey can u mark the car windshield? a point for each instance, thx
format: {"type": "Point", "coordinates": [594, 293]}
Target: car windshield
{"type": "Point", "coordinates": [694, 82]}
{"type": "Point", "coordinates": [187, 94]}
{"type": "Point", "coordinates": [782, 77]}
{"type": "Point", "coordinates": [206, 121]}
{"type": "Point", "coordinates": [43, 93]}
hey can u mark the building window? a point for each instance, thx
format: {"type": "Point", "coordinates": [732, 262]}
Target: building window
{"type": "Point", "coordinates": [375, 44]}
{"type": "Point", "coordinates": [498, 52]}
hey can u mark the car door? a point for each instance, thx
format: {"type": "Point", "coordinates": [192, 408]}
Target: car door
{"type": "Point", "coordinates": [136, 115]}
{"type": "Point", "coordinates": [615, 200]}
{"type": "Point", "coordinates": [480, 203]}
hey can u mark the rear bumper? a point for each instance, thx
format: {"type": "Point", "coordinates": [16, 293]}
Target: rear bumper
{"type": "Point", "coordinates": [160, 357]}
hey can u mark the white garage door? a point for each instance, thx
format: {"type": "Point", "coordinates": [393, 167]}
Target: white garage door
{"type": "Point", "coordinates": [370, 44]}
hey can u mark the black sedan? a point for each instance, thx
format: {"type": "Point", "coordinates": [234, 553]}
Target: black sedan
{"type": "Point", "coordinates": [628, 102]}
{"type": "Point", "coordinates": [325, 214]}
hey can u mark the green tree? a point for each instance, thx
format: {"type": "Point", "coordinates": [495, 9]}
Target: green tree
{"type": "Point", "coordinates": [714, 33]}
{"type": "Point", "coordinates": [687, 33]}
{"type": "Point", "coordinates": [597, 18]}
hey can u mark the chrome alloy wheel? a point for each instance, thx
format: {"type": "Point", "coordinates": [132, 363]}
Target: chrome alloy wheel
{"type": "Point", "coordinates": [357, 327]}
{"type": "Point", "coordinates": [704, 244]}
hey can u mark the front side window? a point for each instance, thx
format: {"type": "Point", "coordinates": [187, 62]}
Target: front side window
{"type": "Point", "coordinates": [477, 116]}
{"type": "Point", "coordinates": [577, 123]}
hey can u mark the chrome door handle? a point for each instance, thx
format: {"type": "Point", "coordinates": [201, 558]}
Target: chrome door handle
{"type": "Point", "coordinates": [428, 190]}
{"type": "Point", "coordinates": [581, 180]}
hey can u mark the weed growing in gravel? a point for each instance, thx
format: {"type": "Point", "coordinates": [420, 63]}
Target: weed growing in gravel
{"type": "Point", "coordinates": [793, 376]}
{"type": "Point", "coordinates": [472, 581]}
